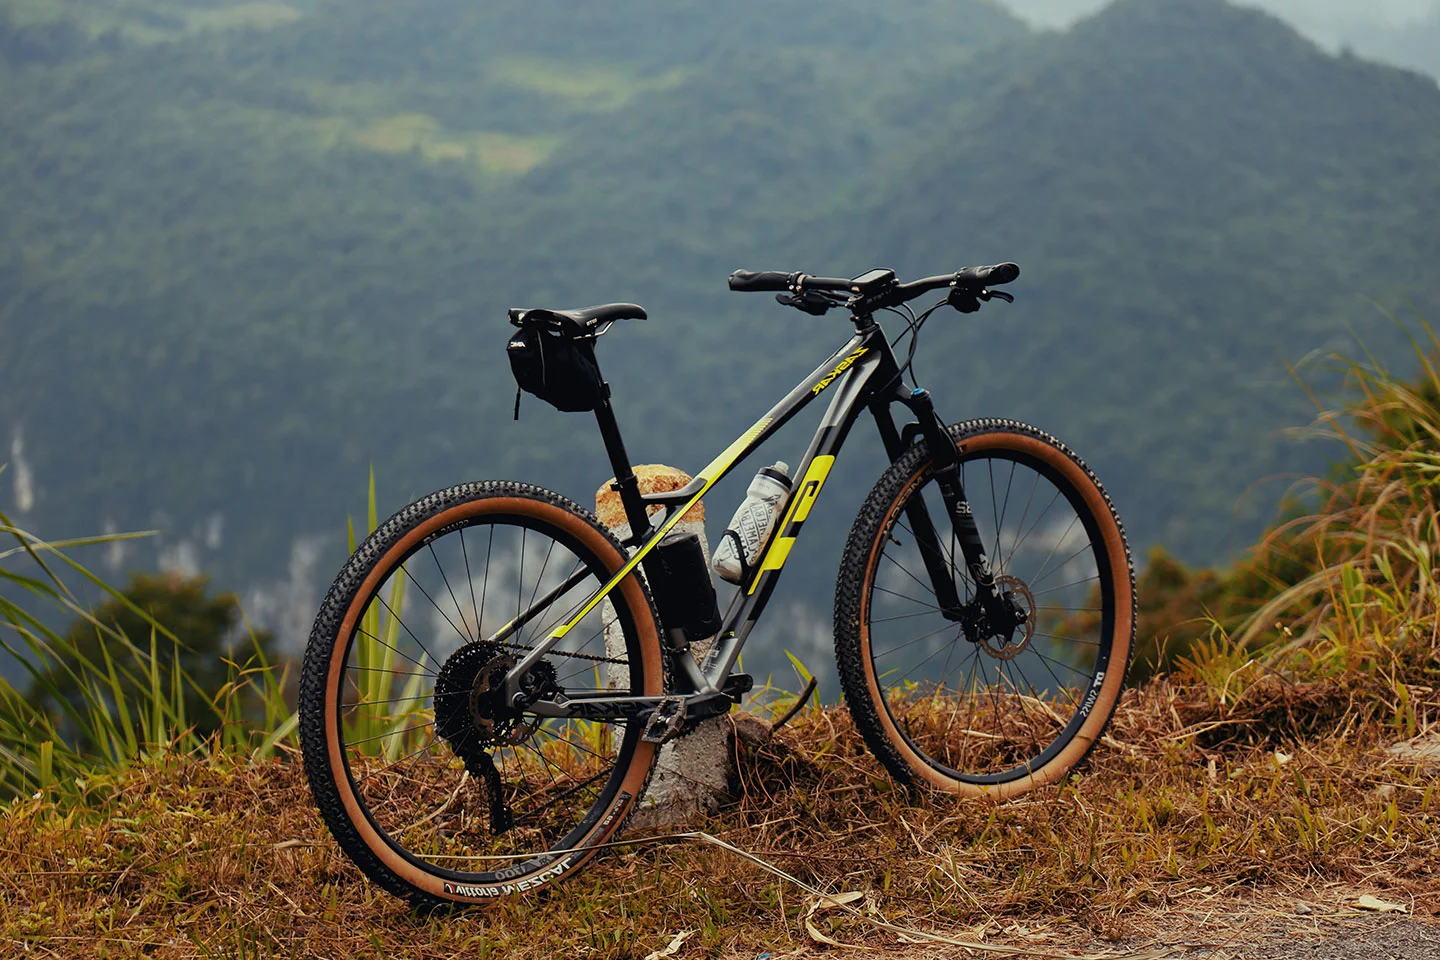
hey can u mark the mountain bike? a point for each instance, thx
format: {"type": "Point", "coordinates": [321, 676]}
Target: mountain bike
{"type": "Point", "coordinates": [491, 675]}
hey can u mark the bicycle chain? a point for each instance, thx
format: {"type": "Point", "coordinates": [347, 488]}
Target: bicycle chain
{"type": "Point", "coordinates": [577, 656]}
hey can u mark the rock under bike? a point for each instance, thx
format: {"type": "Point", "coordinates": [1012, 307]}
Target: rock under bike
{"type": "Point", "coordinates": [490, 678]}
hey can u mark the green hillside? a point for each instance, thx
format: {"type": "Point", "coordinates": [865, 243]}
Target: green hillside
{"type": "Point", "coordinates": [247, 250]}
{"type": "Point", "coordinates": [1414, 43]}
{"type": "Point", "coordinates": [243, 264]}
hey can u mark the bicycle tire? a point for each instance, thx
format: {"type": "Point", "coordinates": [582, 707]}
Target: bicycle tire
{"type": "Point", "coordinates": [1014, 736]}
{"type": "Point", "coordinates": [414, 823]}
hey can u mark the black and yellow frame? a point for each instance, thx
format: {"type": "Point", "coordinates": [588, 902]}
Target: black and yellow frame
{"type": "Point", "coordinates": [862, 374]}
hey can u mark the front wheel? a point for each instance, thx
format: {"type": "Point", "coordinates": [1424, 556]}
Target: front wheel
{"type": "Point", "coordinates": [945, 699]}
{"type": "Point", "coordinates": [430, 780]}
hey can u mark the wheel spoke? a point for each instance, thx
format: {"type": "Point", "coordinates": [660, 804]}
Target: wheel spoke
{"type": "Point", "coordinates": [402, 653]}
{"type": "Point", "coordinates": [905, 570]}
{"type": "Point", "coordinates": [905, 597]}
{"type": "Point", "coordinates": [388, 609]}
{"type": "Point", "coordinates": [442, 766]}
{"type": "Point", "coordinates": [390, 733]}
{"type": "Point", "coordinates": [470, 582]}
{"type": "Point", "coordinates": [464, 637]}
{"type": "Point", "coordinates": [1063, 586]}
{"type": "Point", "coordinates": [484, 584]}
{"type": "Point", "coordinates": [1039, 574]}
{"type": "Point", "coordinates": [520, 584]}
{"type": "Point", "coordinates": [1038, 517]}
{"type": "Point", "coordinates": [459, 611]}
{"type": "Point", "coordinates": [927, 636]}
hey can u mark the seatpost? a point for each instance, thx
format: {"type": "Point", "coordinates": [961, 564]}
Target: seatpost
{"type": "Point", "coordinates": [626, 483]}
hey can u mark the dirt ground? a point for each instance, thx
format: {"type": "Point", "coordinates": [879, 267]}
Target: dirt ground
{"type": "Point", "coordinates": [1309, 923]}
{"type": "Point", "coordinates": [1316, 923]}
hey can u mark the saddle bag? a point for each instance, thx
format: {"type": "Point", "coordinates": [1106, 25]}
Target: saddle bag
{"type": "Point", "coordinates": [559, 369]}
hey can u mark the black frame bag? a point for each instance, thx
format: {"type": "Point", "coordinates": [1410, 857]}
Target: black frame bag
{"type": "Point", "coordinates": [559, 369]}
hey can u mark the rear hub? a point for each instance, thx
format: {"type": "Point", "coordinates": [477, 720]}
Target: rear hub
{"type": "Point", "coordinates": [471, 712]}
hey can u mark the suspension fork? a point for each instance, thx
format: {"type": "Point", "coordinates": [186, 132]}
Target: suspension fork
{"type": "Point", "coordinates": [946, 463]}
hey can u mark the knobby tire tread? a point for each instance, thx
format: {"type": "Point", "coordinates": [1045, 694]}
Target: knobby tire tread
{"type": "Point", "coordinates": [319, 650]}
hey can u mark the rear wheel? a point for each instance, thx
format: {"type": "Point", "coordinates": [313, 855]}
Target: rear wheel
{"type": "Point", "coordinates": [948, 700]}
{"type": "Point", "coordinates": [431, 782]}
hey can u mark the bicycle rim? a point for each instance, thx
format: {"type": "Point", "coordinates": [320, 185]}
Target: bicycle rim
{"type": "Point", "coordinates": [455, 794]}
{"type": "Point", "coordinates": [971, 705]}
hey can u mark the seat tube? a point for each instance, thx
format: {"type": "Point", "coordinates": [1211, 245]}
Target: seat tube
{"type": "Point", "coordinates": [626, 483]}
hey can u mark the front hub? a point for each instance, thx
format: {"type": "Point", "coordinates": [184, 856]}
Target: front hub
{"type": "Point", "coordinates": [1015, 611]}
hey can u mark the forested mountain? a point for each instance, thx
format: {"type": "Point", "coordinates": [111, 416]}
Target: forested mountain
{"type": "Point", "coordinates": [1401, 32]}
{"type": "Point", "coordinates": [1196, 193]}
{"type": "Point", "coordinates": [247, 250]}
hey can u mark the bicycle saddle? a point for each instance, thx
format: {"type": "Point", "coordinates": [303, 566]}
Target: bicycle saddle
{"type": "Point", "coordinates": [586, 318]}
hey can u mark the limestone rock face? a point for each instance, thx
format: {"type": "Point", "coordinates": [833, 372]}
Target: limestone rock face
{"type": "Point", "coordinates": [654, 478]}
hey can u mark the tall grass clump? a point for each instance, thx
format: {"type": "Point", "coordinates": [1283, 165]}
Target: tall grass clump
{"type": "Point", "coordinates": [96, 713]}
{"type": "Point", "coordinates": [1345, 593]}
{"type": "Point", "coordinates": [395, 689]}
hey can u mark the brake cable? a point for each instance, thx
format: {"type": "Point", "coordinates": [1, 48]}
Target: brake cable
{"type": "Point", "coordinates": [912, 327]}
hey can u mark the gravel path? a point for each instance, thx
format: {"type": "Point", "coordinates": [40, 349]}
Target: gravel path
{"type": "Point", "coordinates": [1387, 940]}
{"type": "Point", "coordinates": [1364, 938]}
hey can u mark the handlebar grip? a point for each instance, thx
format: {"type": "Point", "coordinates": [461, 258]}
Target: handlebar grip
{"type": "Point", "coordinates": [988, 276]}
{"type": "Point", "coordinates": [747, 281]}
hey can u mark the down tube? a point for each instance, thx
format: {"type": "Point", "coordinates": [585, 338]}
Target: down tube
{"type": "Point", "coordinates": [850, 398]}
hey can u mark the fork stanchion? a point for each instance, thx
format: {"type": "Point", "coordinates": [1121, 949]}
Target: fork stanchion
{"type": "Point", "coordinates": [692, 774]}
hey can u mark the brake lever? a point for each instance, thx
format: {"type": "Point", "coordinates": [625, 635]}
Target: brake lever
{"type": "Point", "coordinates": [987, 294]}
{"type": "Point", "coordinates": [810, 302]}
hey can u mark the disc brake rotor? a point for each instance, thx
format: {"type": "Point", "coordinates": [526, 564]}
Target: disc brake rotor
{"type": "Point", "coordinates": [474, 716]}
{"type": "Point", "coordinates": [1024, 601]}
{"type": "Point", "coordinates": [498, 723]}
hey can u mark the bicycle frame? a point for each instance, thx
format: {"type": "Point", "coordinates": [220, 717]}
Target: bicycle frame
{"type": "Point", "coordinates": [861, 374]}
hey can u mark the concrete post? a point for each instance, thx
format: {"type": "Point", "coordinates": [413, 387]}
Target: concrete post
{"type": "Point", "coordinates": [693, 771]}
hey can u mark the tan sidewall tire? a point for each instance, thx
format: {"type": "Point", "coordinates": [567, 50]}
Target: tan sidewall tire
{"type": "Point", "coordinates": [1117, 554]}
{"type": "Point", "coordinates": [635, 779]}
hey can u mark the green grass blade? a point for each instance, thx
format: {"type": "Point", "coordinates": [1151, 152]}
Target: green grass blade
{"type": "Point", "coordinates": [285, 730]}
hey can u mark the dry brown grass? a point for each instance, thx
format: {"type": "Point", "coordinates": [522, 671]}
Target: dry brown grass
{"type": "Point", "coordinates": [1252, 782]}
{"type": "Point", "coordinates": [1197, 817]}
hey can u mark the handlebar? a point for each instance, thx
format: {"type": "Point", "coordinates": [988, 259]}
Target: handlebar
{"type": "Point", "coordinates": [987, 276]}
{"type": "Point", "coordinates": [746, 281]}
{"type": "Point", "coordinates": [878, 288]}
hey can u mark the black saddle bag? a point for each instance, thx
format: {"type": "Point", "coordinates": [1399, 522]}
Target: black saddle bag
{"type": "Point", "coordinates": [559, 369]}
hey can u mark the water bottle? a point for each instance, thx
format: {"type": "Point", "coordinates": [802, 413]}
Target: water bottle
{"type": "Point", "coordinates": [751, 524]}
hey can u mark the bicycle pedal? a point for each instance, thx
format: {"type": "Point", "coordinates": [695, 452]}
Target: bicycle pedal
{"type": "Point", "coordinates": [666, 722]}
{"type": "Point", "coordinates": [737, 686]}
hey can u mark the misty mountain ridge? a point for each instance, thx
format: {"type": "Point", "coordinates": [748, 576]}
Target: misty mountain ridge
{"type": "Point", "coordinates": [1404, 33]}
